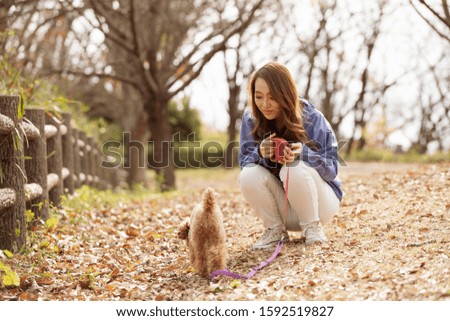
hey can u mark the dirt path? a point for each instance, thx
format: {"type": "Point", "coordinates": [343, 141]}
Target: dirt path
{"type": "Point", "coordinates": [389, 241]}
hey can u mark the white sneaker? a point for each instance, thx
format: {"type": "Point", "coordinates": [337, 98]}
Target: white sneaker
{"type": "Point", "coordinates": [314, 233]}
{"type": "Point", "coordinates": [271, 237]}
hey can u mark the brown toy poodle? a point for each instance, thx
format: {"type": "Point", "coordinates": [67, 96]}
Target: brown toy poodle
{"type": "Point", "coordinates": [205, 236]}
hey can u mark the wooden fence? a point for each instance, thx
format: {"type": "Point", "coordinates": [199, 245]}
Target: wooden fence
{"type": "Point", "coordinates": [41, 158]}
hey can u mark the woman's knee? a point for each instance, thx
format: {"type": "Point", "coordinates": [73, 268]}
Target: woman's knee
{"type": "Point", "coordinates": [252, 176]}
{"type": "Point", "coordinates": [328, 208]}
{"type": "Point", "coordinates": [297, 172]}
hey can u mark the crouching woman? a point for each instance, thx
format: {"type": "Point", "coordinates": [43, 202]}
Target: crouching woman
{"type": "Point", "coordinates": [308, 164]}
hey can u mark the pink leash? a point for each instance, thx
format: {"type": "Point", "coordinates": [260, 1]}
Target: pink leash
{"type": "Point", "coordinates": [272, 257]}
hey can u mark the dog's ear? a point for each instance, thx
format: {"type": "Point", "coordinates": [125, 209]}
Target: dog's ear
{"type": "Point", "coordinates": [183, 230]}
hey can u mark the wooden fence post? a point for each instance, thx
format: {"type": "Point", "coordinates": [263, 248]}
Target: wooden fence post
{"type": "Point", "coordinates": [76, 159]}
{"type": "Point", "coordinates": [114, 177]}
{"type": "Point", "coordinates": [98, 167]}
{"type": "Point", "coordinates": [83, 158]}
{"type": "Point", "coordinates": [54, 161]}
{"type": "Point", "coordinates": [68, 157]}
{"type": "Point", "coordinates": [103, 175]}
{"type": "Point", "coordinates": [12, 177]}
{"type": "Point", "coordinates": [92, 166]}
{"type": "Point", "coordinates": [36, 163]}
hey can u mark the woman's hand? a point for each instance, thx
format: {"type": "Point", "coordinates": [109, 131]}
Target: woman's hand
{"type": "Point", "coordinates": [266, 148]}
{"type": "Point", "coordinates": [291, 153]}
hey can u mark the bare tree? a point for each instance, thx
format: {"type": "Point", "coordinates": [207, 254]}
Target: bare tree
{"type": "Point", "coordinates": [235, 79]}
{"type": "Point", "coordinates": [5, 6]}
{"type": "Point", "coordinates": [434, 106]}
{"type": "Point", "coordinates": [152, 50]}
{"type": "Point", "coordinates": [317, 52]}
{"type": "Point", "coordinates": [39, 31]}
{"type": "Point", "coordinates": [160, 48]}
{"type": "Point", "coordinates": [243, 53]}
{"type": "Point", "coordinates": [439, 20]}
{"type": "Point", "coordinates": [343, 81]}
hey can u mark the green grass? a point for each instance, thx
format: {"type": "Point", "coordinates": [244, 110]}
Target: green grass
{"type": "Point", "coordinates": [211, 135]}
{"type": "Point", "coordinates": [383, 155]}
{"type": "Point", "coordinates": [86, 198]}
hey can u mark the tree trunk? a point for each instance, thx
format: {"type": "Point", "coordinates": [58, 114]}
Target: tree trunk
{"type": "Point", "coordinates": [161, 134]}
{"type": "Point", "coordinates": [233, 101]}
{"type": "Point", "coordinates": [353, 139]}
{"type": "Point", "coordinates": [136, 147]}
{"type": "Point", "coordinates": [424, 137]}
{"type": "Point", "coordinates": [5, 5]}
{"type": "Point", "coordinates": [12, 176]}
{"type": "Point", "coordinates": [231, 151]}
{"type": "Point", "coordinates": [361, 143]}
{"type": "Point", "coordinates": [327, 106]}
{"type": "Point", "coordinates": [350, 144]}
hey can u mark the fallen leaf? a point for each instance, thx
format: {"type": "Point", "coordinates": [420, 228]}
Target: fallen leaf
{"type": "Point", "coordinates": [8, 253]}
{"type": "Point", "coordinates": [159, 297]}
{"type": "Point", "coordinates": [46, 280]}
{"type": "Point", "coordinates": [132, 232]}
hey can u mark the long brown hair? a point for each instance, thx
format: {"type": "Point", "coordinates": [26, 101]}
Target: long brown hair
{"type": "Point", "coordinates": [284, 92]}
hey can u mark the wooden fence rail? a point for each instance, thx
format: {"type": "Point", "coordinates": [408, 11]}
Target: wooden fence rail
{"type": "Point", "coordinates": [41, 158]}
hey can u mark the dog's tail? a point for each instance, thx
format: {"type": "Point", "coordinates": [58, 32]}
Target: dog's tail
{"type": "Point", "coordinates": [208, 200]}
{"type": "Point", "coordinates": [183, 231]}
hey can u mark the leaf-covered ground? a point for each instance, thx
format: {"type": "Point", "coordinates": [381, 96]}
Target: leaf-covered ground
{"type": "Point", "coordinates": [389, 241]}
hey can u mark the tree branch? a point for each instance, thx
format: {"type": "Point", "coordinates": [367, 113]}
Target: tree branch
{"type": "Point", "coordinates": [108, 21]}
{"type": "Point", "coordinates": [121, 43]}
{"type": "Point", "coordinates": [446, 10]}
{"type": "Point", "coordinates": [436, 14]}
{"type": "Point", "coordinates": [429, 23]}
{"type": "Point", "coordinates": [205, 59]}
{"type": "Point", "coordinates": [96, 74]}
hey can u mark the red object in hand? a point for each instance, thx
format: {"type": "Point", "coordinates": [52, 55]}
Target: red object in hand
{"type": "Point", "coordinates": [280, 145]}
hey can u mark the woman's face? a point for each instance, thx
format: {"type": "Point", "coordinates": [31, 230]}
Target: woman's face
{"type": "Point", "coordinates": [266, 105]}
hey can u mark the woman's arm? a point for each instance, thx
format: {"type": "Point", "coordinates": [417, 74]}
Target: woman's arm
{"type": "Point", "coordinates": [324, 157]}
{"type": "Point", "coordinates": [248, 148]}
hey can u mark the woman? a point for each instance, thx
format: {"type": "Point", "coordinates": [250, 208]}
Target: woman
{"type": "Point", "coordinates": [314, 191]}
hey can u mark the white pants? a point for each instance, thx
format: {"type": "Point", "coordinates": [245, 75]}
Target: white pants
{"type": "Point", "coordinates": [310, 198]}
